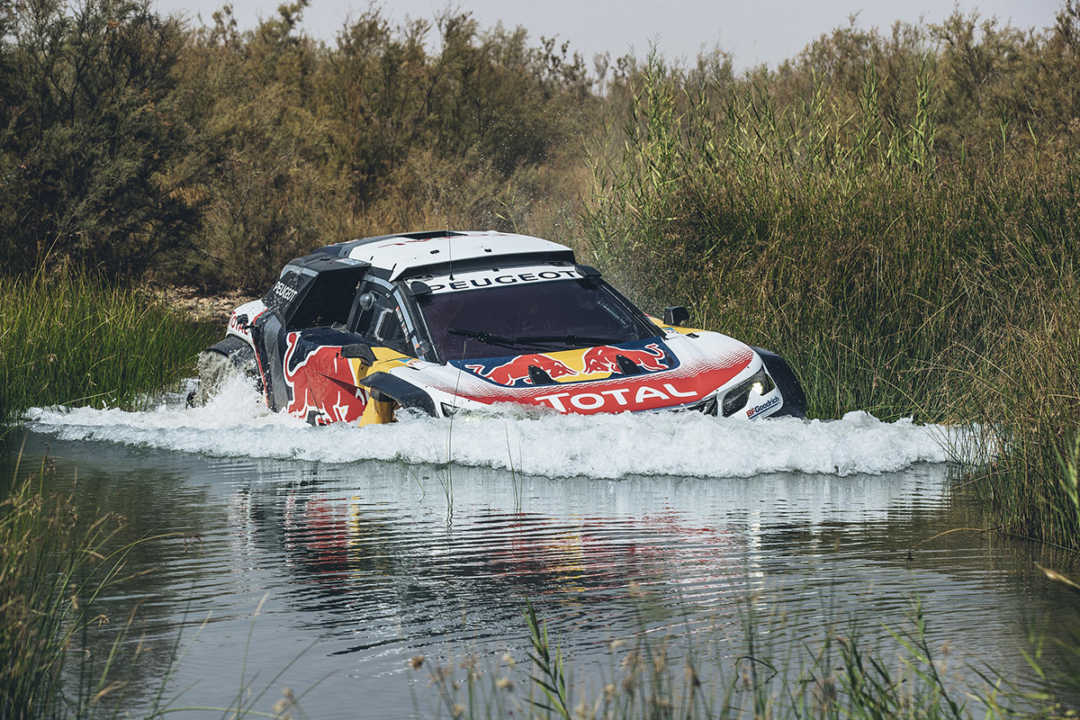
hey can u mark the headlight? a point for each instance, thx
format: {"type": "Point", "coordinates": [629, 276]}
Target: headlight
{"type": "Point", "coordinates": [448, 409]}
{"type": "Point", "coordinates": [736, 397]}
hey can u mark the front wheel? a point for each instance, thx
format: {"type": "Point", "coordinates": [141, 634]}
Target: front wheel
{"type": "Point", "coordinates": [221, 361]}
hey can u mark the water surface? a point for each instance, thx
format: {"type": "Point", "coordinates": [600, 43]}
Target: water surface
{"type": "Point", "coordinates": [363, 548]}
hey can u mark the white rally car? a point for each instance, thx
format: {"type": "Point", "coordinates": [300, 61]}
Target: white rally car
{"type": "Point", "coordinates": [446, 321]}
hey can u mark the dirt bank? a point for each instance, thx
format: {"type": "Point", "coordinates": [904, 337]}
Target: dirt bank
{"type": "Point", "coordinates": [198, 305]}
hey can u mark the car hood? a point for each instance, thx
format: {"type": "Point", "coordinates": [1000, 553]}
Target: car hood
{"type": "Point", "coordinates": [646, 374]}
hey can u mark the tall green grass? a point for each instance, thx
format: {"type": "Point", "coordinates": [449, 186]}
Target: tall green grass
{"type": "Point", "coordinates": [75, 340]}
{"type": "Point", "coordinates": [895, 278]}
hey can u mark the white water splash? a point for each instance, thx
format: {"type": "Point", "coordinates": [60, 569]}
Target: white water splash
{"type": "Point", "coordinates": [237, 423]}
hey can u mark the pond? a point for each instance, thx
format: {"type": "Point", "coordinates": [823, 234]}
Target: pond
{"type": "Point", "coordinates": [334, 556]}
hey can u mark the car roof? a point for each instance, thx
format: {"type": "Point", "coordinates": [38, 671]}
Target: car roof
{"type": "Point", "coordinates": [404, 253]}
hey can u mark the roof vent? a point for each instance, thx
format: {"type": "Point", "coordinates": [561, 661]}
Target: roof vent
{"type": "Point", "coordinates": [427, 234]}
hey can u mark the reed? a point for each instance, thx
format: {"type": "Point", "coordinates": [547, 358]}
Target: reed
{"type": "Point", "coordinates": [75, 340]}
{"type": "Point", "coordinates": [54, 566]}
{"type": "Point", "coordinates": [549, 677]}
{"type": "Point", "coordinates": [896, 277]}
{"type": "Point", "coordinates": [765, 672]}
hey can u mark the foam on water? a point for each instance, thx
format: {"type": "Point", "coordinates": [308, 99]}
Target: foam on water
{"type": "Point", "coordinates": [237, 423]}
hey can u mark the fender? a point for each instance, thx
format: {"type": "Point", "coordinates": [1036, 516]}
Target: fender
{"type": "Point", "coordinates": [400, 391]}
{"type": "Point", "coordinates": [239, 353]}
{"type": "Point", "coordinates": [784, 377]}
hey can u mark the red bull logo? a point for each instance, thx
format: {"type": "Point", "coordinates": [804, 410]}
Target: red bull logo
{"type": "Point", "coordinates": [605, 358]}
{"type": "Point", "coordinates": [321, 384]}
{"type": "Point", "coordinates": [517, 369]}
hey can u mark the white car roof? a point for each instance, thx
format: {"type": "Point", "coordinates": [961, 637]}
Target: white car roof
{"type": "Point", "coordinates": [402, 253]}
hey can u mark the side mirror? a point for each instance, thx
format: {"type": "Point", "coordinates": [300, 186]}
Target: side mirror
{"type": "Point", "coordinates": [676, 315]}
{"type": "Point", "coordinates": [587, 271]}
{"type": "Point", "coordinates": [417, 288]}
{"type": "Point", "coordinates": [358, 350]}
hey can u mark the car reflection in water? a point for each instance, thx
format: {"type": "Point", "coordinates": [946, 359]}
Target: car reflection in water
{"type": "Point", "coordinates": [359, 560]}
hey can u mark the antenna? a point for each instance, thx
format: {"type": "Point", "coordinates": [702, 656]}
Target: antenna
{"type": "Point", "coordinates": [449, 250]}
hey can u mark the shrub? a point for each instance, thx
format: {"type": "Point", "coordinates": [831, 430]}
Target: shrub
{"type": "Point", "coordinates": [88, 127]}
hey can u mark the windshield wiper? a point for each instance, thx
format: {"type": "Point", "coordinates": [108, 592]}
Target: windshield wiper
{"type": "Point", "coordinates": [506, 341]}
{"type": "Point", "coordinates": [578, 340]}
{"type": "Point", "coordinates": [490, 338]}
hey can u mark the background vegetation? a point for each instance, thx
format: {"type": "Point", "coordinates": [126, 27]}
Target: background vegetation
{"type": "Point", "coordinates": [896, 212]}
{"type": "Point", "coordinates": [136, 146]}
{"type": "Point", "coordinates": [897, 215]}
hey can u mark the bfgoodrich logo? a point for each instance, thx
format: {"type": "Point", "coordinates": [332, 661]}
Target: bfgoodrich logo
{"type": "Point", "coordinates": [758, 409]}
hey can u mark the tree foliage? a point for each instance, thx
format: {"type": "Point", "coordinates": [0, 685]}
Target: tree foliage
{"type": "Point", "coordinates": [87, 128]}
{"type": "Point", "coordinates": [136, 144]}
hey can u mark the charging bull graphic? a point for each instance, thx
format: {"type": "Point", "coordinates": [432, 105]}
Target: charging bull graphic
{"type": "Point", "coordinates": [605, 358]}
{"type": "Point", "coordinates": [517, 369]}
{"type": "Point", "coordinates": [321, 383]}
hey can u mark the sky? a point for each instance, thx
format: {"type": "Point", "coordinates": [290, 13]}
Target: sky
{"type": "Point", "coordinates": [766, 31]}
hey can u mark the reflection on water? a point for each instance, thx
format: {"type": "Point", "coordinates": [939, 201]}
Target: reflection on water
{"type": "Point", "coordinates": [360, 566]}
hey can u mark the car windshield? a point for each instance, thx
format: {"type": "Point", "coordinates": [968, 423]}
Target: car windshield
{"type": "Point", "coordinates": [516, 319]}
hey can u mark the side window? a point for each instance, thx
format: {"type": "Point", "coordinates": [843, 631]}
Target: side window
{"type": "Point", "coordinates": [376, 316]}
{"type": "Point", "coordinates": [326, 302]}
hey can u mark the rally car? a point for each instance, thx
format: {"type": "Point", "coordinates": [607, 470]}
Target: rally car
{"type": "Point", "coordinates": [445, 322]}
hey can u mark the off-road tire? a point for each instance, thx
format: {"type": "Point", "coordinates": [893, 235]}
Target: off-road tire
{"type": "Point", "coordinates": [221, 361]}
